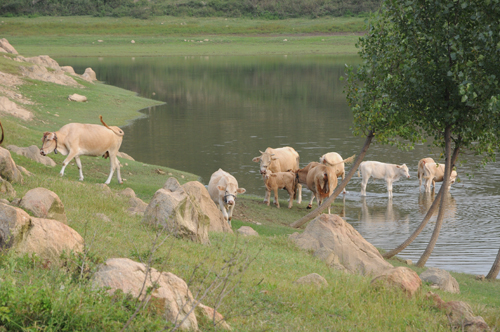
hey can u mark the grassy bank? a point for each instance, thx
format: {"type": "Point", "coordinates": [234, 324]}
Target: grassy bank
{"type": "Point", "coordinates": [163, 36]}
{"type": "Point", "coordinates": [37, 296]}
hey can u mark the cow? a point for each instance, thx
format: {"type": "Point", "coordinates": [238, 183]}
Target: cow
{"type": "Point", "coordinates": [321, 180]}
{"type": "Point", "coordinates": [281, 180]}
{"type": "Point", "coordinates": [435, 173]}
{"type": "Point", "coordinates": [78, 139]}
{"type": "Point", "coordinates": [223, 189]}
{"type": "Point", "coordinates": [335, 160]}
{"type": "Point", "coordinates": [378, 170]}
{"type": "Point", "coordinates": [1, 140]}
{"type": "Point", "coordinates": [279, 160]}
{"type": "Point", "coordinates": [420, 170]}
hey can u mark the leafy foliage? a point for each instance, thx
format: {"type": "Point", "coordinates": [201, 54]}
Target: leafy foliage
{"type": "Point", "coordinates": [428, 65]}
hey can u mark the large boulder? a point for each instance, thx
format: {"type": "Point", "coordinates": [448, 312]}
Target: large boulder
{"type": "Point", "coordinates": [8, 168]}
{"type": "Point", "coordinates": [33, 153]}
{"type": "Point", "coordinates": [130, 277]}
{"type": "Point", "coordinates": [43, 203]}
{"type": "Point", "coordinates": [41, 73]}
{"type": "Point", "coordinates": [401, 277]}
{"type": "Point", "coordinates": [351, 251]}
{"type": "Point", "coordinates": [441, 279]}
{"type": "Point", "coordinates": [48, 239]}
{"type": "Point", "coordinates": [89, 75]}
{"type": "Point", "coordinates": [10, 107]}
{"type": "Point", "coordinates": [13, 221]}
{"type": "Point", "coordinates": [4, 44]}
{"type": "Point", "coordinates": [181, 210]}
{"type": "Point", "coordinates": [43, 60]}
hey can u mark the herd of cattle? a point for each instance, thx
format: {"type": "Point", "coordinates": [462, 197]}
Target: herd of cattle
{"type": "Point", "coordinates": [279, 167]}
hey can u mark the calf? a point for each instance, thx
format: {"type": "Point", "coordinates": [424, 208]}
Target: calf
{"type": "Point", "coordinates": [378, 170]}
{"type": "Point", "coordinates": [281, 180]}
{"type": "Point", "coordinates": [435, 173]}
{"type": "Point", "coordinates": [77, 139]}
{"type": "Point", "coordinates": [420, 170]}
{"type": "Point", "coordinates": [223, 189]}
{"type": "Point", "coordinates": [321, 180]}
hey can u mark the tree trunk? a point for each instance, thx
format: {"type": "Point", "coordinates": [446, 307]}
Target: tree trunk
{"type": "Point", "coordinates": [495, 268]}
{"type": "Point", "coordinates": [427, 217]}
{"type": "Point", "coordinates": [442, 207]}
{"type": "Point", "coordinates": [313, 214]}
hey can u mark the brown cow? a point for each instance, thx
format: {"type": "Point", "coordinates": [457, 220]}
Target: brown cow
{"type": "Point", "coordinates": [321, 180]}
{"type": "Point", "coordinates": [302, 177]}
{"type": "Point", "coordinates": [279, 160]}
{"type": "Point", "coordinates": [335, 160]}
{"type": "Point", "coordinates": [281, 180]}
{"type": "Point", "coordinates": [77, 139]}
{"type": "Point", "coordinates": [420, 170]}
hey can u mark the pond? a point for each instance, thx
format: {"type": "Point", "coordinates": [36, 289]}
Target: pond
{"type": "Point", "coordinates": [220, 111]}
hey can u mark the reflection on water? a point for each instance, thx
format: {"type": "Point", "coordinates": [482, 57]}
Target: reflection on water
{"type": "Point", "coordinates": [220, 111]}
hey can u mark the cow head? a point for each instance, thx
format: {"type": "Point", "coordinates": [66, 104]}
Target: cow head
{"type": "Point", "coordinates": [49, 143]}
{"type": "Point", "coordinates": [230, 192]}
{"type": "Point", "coordinates": [453, 177]}
{"type": "Point", "coordinates": [265, 160]}
{"type": "Point", "coordinates": [403, 170]}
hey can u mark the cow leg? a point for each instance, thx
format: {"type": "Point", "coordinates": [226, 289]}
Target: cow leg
{"type": "Point", "coordinates": [118, 175]}
{"type": "Point", "coordinates": [299, 193]}
{"type": "Point", "coordinates": [276, 201]}
{"type": "Point", "coordinates": [112, 160]}
{"type": "Point", "coordinates": [363, 184]}
{"type": "Point", "coordinates": [66, 161]}
{"type": "Point", "coordinates": [230, 213]}
{"type": "Point", "coordinates": [79, 164]}
{"type": "Point", "coordinates": [311, 202]}
{"type": "Point", "coordinates": [389, 189]}
{"type": "Point", "coordinates": [267, 198]}
{"type": "Point", "coordinates": [223, 210]}
{"type": "Point", "coordinates": [428, 185]}
{"type": "Point", "coordinates": [343, 177]}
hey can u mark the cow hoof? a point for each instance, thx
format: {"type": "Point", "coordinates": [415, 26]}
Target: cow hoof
{"type": "Point", "coordinates": [80, 179]}
{"type": "Point", "coordinates": [309, 207]}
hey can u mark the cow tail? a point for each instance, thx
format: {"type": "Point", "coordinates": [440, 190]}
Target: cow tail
{"type": "Point", "coordinates": [1, 140]}
{"type": "Point", "coordinates": [119, 133]}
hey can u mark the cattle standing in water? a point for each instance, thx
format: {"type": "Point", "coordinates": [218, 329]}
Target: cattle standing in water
{"type": "Point", "coordinates": [223, 189]}
{"type": "Point", "coordinates": [435, 173]}
{"type": "Point", "coordinates": [281, 180]}
{"type": "Point", "coordinates": [335, 160]}
{"type": "Point", "coordinates": [279, 160]}
{"type": "Point", "coordinates": [378, 170]}
{"type": "Point", "coordinates": [321, 180]}
{"type": "Point", "coordinates": [302, 177]}
{"type": "Point", "coordinates": [77, 139]}
{"type": "Point", "coordinates": [420, 170]}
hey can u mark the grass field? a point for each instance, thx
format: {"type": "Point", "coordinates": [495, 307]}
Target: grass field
{"type": "Point", "coordinates": [34, 296]}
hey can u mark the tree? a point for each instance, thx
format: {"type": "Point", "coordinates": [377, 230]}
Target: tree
{"type": "Point", "coordinates": [431, 69]}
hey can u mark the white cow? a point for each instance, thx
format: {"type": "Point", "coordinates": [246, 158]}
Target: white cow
{"type": "Point", "coordinates": [279, 160]}
{"type": "Point", "coordinates": [335, 160]}
{"type": "Point", "coordinates": [77, 139]}
{"type": "Point", "coordinates": [435, 173]}
{"type": "Point", "coordinates": [223, 189]}
{"type": "Point", "coordinates": [378, 170]}
{"type": "Point", "coordinates": [420, 170]}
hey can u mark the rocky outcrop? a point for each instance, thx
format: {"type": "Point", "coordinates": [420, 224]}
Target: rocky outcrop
{"type": "Point", "coordinates": [440, 279]}
{"type": "Point", "coordinates": [43, 61]}
{"type": "Point", "coordinates": [33, 153]}
{"type": "Point", "coordinates": [38, 72]}
{"type": "Point", "coordinates": [312, 279]}
{"type": "Point", "coordinates": [172, 291]}
{"type": "Point", "coordinates": [13, 221]}
{"type": "Point", "coordinates": [247, 231]}
{"type": "Point", "coordinates": [10, 107]}
{"type": "Point", "coordinates": [182, 210]}
{"type": "Point", "coordinates": [78, 98]}
{"type": "Point", "coordinates": [401, 277]}
{"type": "Point", "coordinates": [351, 252]}
{"type": "Point", "coordinates": [43, 203]}
{"type": "Point", "coordinates": [7, 47]}
{"type": "Point", "coordinates": [459, 315]}
{"type": "Point", "coordinates": [69, 70]}
{"type": "Point", "coordinates": [8, 168]}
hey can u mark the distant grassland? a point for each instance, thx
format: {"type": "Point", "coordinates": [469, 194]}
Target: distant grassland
{"type": "Point", "coordinates": [163, 36]}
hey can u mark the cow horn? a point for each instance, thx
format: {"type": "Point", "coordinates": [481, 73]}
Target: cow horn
{"type": "Point", "coordinates": [261, 152]}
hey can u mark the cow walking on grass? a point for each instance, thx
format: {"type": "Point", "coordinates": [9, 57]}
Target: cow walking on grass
{"type": "Point", "coordinates": [223, 189]}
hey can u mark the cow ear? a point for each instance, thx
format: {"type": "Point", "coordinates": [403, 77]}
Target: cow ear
{"type": "Point", "coordinates": [398, 166]}
{"type": "Point", "coordinates": [256, 159]}
{"type": "Point", "coordinates": [221, 188]}
{"type": "Point", "coordinates": [274, 158]}
{"type": "Point", "coordinates": [241, 190]}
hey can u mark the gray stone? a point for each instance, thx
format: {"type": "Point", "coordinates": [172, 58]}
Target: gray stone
{"type": "Point", "coordinates": [8, 168]}
{"type": "Point", "coordinates": [247, 231]}
{"type": "Point", "coordinates": [33, 153]}
{"type": "Point", "coordinates": [441, 279]}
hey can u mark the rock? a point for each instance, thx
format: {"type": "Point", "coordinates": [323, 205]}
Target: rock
{"type": "Point", "coordinates": [104, 189]}
{"type": "Point", "coordinates": [159, 171]}
{"type": "Point", "coordinates": [41, 73]}
{"type": "Point", "coordinates": [401, 277]}
{"type": "Point", "coordinates": [480, 277]}
{"type": "Point", "coordinates": [137, 206]}
{"type": "Point", "coordinates": [459, 315]}
{"type": "Point", "coordinates": [89, 75]}
{"type": "Point", "coordinates": [312, 279]}
{"type": "Point", "coordinates": [77, 97]}
{"type": "Point", "coordinates": [10, 107]}
{"type": "Point", "coordinates": [6, 189]}
{"type": "Point", "coordinates": [354, 253]}
{"type": "Point", "coordinates": [8, 168]}
{"type": "Point", "coordinates": [4, 201]}
{"type": "Point", "coordinates": [130, 276]}
{"type": "Point", "coordinates": [124, 156]}
{"type": "Point", "coordinates": [33, 153]}
{"type": "Point", "coordinates": [127, 192]}
{"type": "Point", "coordinates": [68, 69]}
{"type": "Point", "coordinates": [43, 61]}
{"type": "Point", "coordinates": [48, 238]}
{"type": "Point", "coordinates": [442, 279]}
{"type": "Point", "coordinates": [103, 217]}
{"type": "Point", "coordinates": [13, 221]}
{"type": "Point", "coordinates": [43, 203]}
{"type": "Point", "coordinates": [247, 231]}
{"type": "Point", "coordinates": [204, 312]}
{"type": "Point", "coordinates": [4, 44]}
{"type": "Point", "coordinates": [24, 170]}
{"type": "Point", "coordinates": [15, 202]}
{"type": "Point", "coordinates": [408, 262]}
{"type": "Point", "coordinates": [132, 41]}
{"type": "Point", "coordinates": [329, 257]}
{"type": "Point", "coordinates": [172, 208]}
